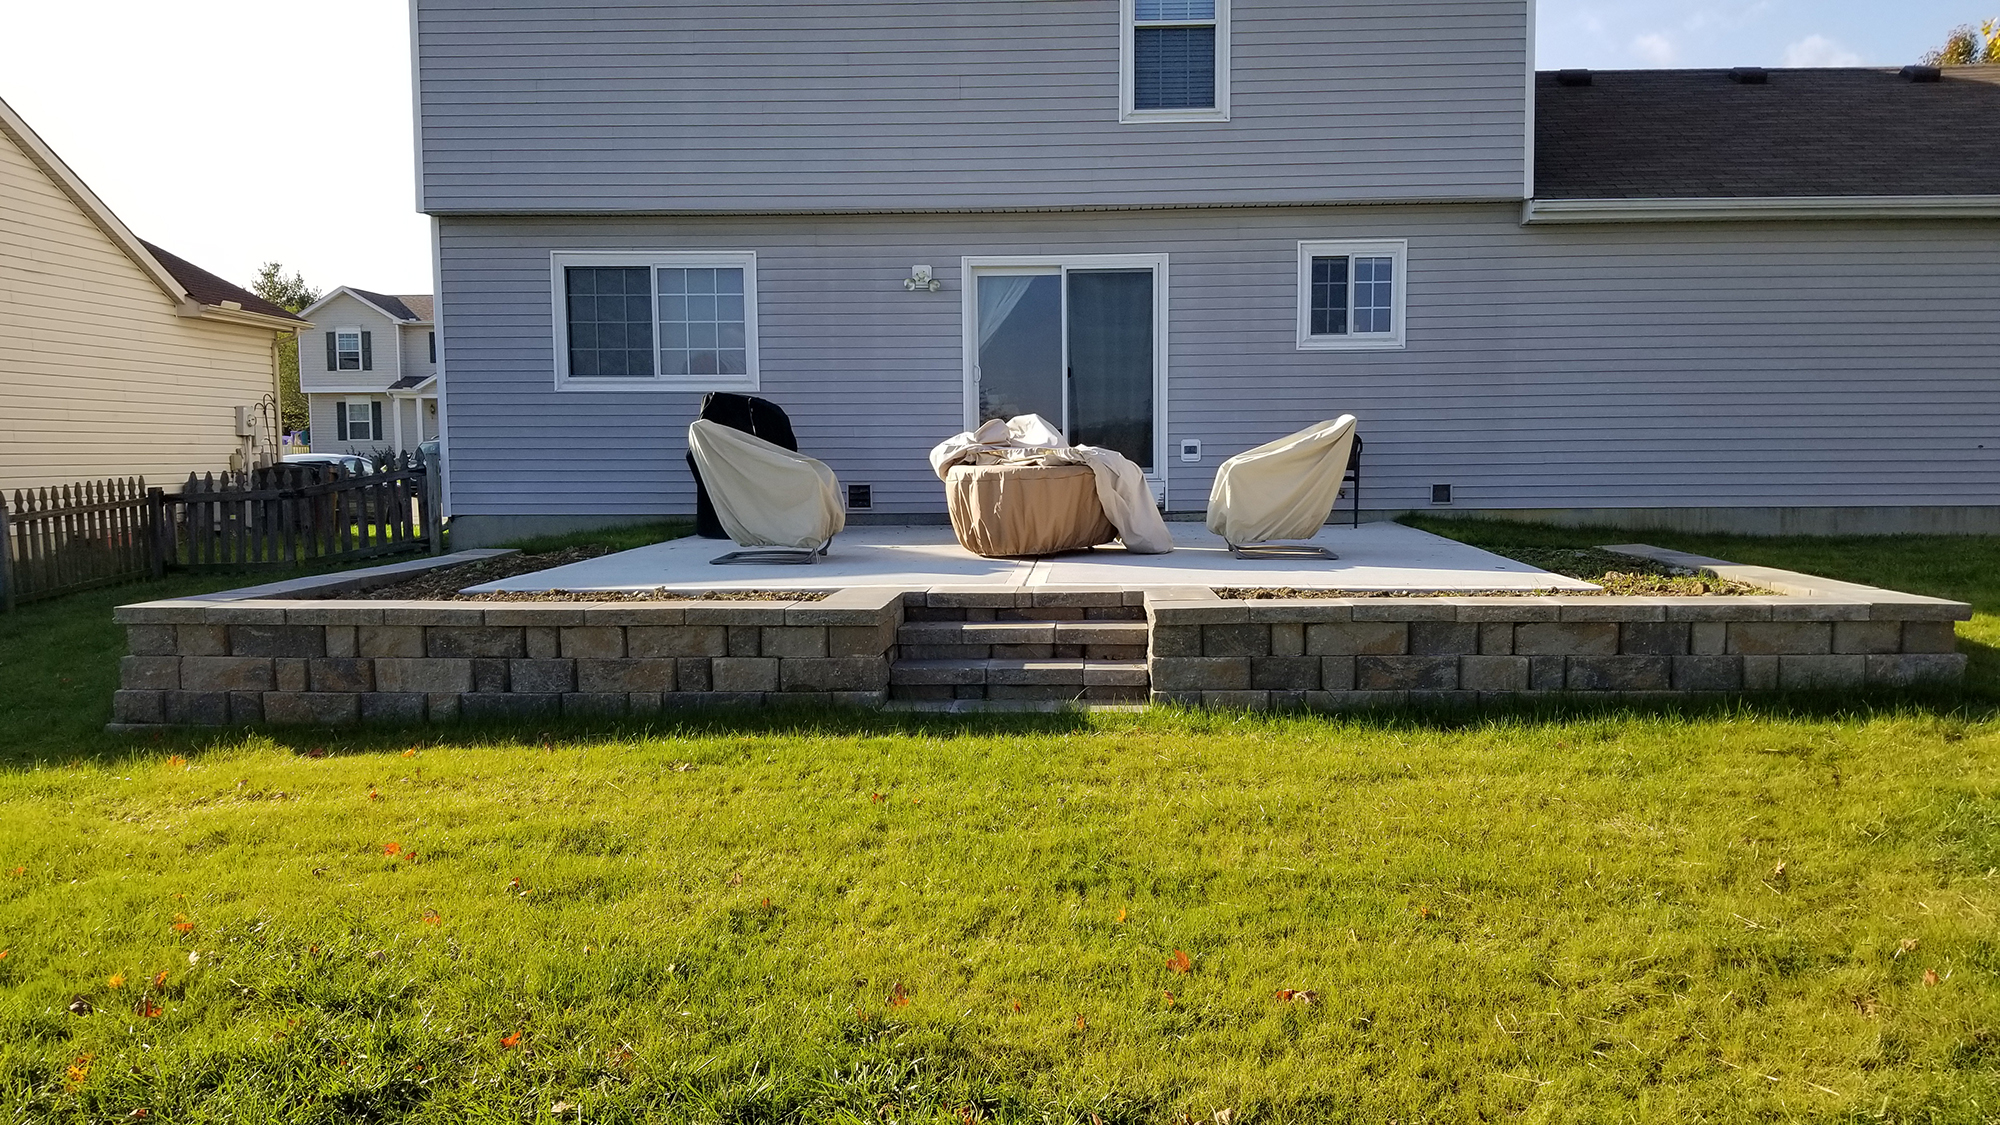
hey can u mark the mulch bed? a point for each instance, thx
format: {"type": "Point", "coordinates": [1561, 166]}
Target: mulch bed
{"type": "Point", "coordinates": [444, 585]}
{"type": "Point", "coordinates": [1616, 575]}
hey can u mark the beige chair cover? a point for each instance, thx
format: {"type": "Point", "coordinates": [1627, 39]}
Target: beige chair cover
{"type": "Point", "coordinates": [764, 494]}
{"type": "Point", "coordinates": [1284, 489]}
{"type": "Point", "coordinates": [1024, 510]}
{"type": "Point", "coordinates": [1121, 485]}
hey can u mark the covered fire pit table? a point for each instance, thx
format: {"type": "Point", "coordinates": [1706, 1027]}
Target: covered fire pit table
{"type": "Point", "coordinates": [1021, 508]}
{"type": "Point", "coordinates": [1016, 488]}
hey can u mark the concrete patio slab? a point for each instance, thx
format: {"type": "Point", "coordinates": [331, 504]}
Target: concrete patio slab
{"type": "Point", "coordinates": [1373, 557]}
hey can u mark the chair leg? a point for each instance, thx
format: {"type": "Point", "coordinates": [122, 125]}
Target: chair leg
{"type": "Point", "coordinates": [1357, 497]}
{"type": "Point", "coordinates": [1294, 551]}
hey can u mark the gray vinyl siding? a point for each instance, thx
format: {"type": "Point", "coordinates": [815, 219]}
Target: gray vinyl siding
{"type": "Point", "coordinates": [345, 312]}
{"type": "Point", "coordinates": [1547, 367]}
{"type": "Point", "coordinates": [687, 106]}
{"type": "Point", "coordinates": [417, 351]}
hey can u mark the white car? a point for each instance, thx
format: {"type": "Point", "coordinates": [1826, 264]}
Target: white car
{"type": "Point", "coordinates": [355, 464]}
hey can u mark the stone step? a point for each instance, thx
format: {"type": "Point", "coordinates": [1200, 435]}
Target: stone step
{"type": "Point", "coordinates": [1082, 673]}
{"type": "Point", "coordinates": [1002, 679]}
{"type": "Point", "coordinates": [1022, 633]}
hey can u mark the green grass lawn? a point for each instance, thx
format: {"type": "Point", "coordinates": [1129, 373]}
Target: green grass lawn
{"type": "Point", "coordinates": [1768, 912]}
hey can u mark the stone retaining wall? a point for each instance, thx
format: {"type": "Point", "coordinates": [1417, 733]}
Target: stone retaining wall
{"type": "Point", "coordinates": [1342, 653]}
{"type": "Point", "coordinates": [210, 662]}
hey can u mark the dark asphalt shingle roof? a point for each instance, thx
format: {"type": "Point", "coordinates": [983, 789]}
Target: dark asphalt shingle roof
{"type": "Point", "coordinates": [397, 307]}
{"type": "Point", "coordinates": [211, 290]}
{"type": "Point", "coordinates": [1681, 134]}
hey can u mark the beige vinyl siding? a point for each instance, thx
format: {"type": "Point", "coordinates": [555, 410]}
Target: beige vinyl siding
{"type": "Point", "coordinates": [417, 351]}
{"type": "Point", "coordinates": [342, 312]}
{"type": "Point", "coordinates": [99, 376]}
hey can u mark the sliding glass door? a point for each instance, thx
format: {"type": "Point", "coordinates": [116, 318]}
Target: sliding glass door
{"type": "Point", "coordinates": [1076, 343]}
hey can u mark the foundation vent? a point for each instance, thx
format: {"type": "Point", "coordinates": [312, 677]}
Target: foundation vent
{"type": "Point", "coordinates": [860, 497]}
{"type": "Point", "coordinates": [1440, 494]}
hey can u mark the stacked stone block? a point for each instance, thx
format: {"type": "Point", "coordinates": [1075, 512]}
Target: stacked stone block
{"type": "Point", "coordinates": [205, 662]}
{"type": "Point", "coordinates": [1040, 644]}
{"type": "Point", "coordinates": [1340, 653]}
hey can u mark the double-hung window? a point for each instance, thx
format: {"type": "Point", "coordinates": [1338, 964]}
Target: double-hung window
{"type": "Point", "coordinates": [660, 321]}
{"type": "Point", "coordinates": [1174, 60]}
{"type": "Point", "coordinates": [347, 350]}
{"type": "Point", "coordinates": [358, 419]}
{"type": "Point", "coordinates": [1351, 294]}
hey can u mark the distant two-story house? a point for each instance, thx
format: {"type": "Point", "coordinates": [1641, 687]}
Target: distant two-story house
{"type": "Point", "coordinates": [369, 372]}
{"type": "Point", "coordinates": [1759, 300]}
{"type": "Point", "coordinates": [117, 358]}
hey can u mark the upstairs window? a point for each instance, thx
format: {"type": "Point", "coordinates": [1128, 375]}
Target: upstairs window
{"type": "Point", "coordinates": [664, 321]}
{"type": "Point", "coordinates": [1351, 294]}
{"type": "Point", "coordinates": [347, 349]}
{"type": "Point", "coordinates": [1175, 59]}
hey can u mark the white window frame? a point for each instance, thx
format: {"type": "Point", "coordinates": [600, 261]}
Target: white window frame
{"type": "Point", "coordinates": [654, 260]}
{"type": "Point", "coordinates": [1394, 248]}
{"type": "Point", "coordinates": [1128, 23]}
{"type": "Point", "coordinates": [367, 406]}
{"type": "Point", "coordinates": [1060, 265]}
{"type": "Point", "coordinates": [340, 353]}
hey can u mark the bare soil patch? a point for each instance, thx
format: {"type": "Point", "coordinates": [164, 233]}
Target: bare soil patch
{"type": "Point", "coordinates": [1615, 576]}
{"type": "Point", "coordinates": [444, 585]}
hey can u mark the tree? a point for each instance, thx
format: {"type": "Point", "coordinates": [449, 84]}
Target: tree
{"type": "Point", "coordinates": [291, 294]}
{"type": "Point", "coordinates": [1968, 45]}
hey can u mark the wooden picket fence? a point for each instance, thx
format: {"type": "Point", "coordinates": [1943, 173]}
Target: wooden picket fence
{"type": "Point", "coordinates": [60, 540]}
{"type": "Point", "coordinates": [74, 537]}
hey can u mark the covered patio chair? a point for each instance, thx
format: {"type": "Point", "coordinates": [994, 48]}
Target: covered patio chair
{"type": "Point", "coordinates": [784, 504]}
{"type": "Point", "coordinates": [1282, 490]}
{"type": "Point", "coordinates": [750, 414]}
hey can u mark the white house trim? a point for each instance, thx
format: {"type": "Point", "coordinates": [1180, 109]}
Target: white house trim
{"type": "Point", "coordinates": [394, 319]}
{"type": "Point", "coordinates": [1127, 111]}
{"type": "Point", "coordinates": [1755, 209]}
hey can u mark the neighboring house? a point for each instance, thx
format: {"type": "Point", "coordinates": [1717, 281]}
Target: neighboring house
{"type": "Point", "coordinates": [117, 358]}
{"type": "Point", "coordinates": [1179, 228]}
{"type": "Point", "coordinates": [369, 372]}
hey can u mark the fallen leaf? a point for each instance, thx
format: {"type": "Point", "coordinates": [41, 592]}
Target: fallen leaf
{"type": "Point", "coordinates": [1080, 1024]}
{"type": "Point", "coordinates": [1121, 916]}
{"type": "Point", "coordinates": [79, 1070]}
{"type": "Point", "coordinates": [1423, 911]}
{"type": "Point", "coordinates": [899, 998]}
{"type": "Point", "coordinates": [21, 870]}
{"type": "Point", "coordinates": [117, 980]}
{"type": "Point", "coordinates": [507, 1041]}
{"type": "Point", "coordinates": [392, 848]}
{"type": "Point", "coordinates": [1907, 945]}
{"type": "Point", "coordinates": [432, 917]}
{"type": "Point", "coordinates": [1297, 995]}
{"type": "Point", "coordinates": [1224, 1116]}
{"type": "Point", "coordinates": [561, 1108]}
{"type": "Point", "coordinates": [1778, 872]}
{"type": "Point", "coordinates": [148, 1009]}
{"type": "Point", "coordinates": [4, 953]}
{"type": "Point", "coordinates": [140, 1113]}
{"type": "Point", "coordinates": [1170, 998]}
{"type": "Point", "coordinates": [1017, 1005]}
{"type": "Point", "coordinates": [316, 752]}
{"type": "Point", "coordinates": [874, 797]}
{"type": "Point", "coordinates": [514, 884]}
{"type": "Point", "coordinates": [1930, 976]}
{"type": "Point", "coordinates": [1179, 962]}
{"type": "Point", "coordinates": [767, 904]}
{"type": "Point", "coordinates": [410, 753]}
{"type": "Point", "coordinates": [372, 795]}
{"type": "Point", "coordinates": [80, 1007]}
{"type": "Point", "coordinates": [175, 761]}
{"type": "Point", "coordinates": [736, 880]}
{"type": "Point", "coordinates": [182, 925]}
{"type": "Point", "coordinates": [194, 958]}
{"type": "Point", "coordinates": [160, 979]}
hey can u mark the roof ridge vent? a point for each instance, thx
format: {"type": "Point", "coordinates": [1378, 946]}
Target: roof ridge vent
{"type": "Point", "coordinates": [1921, 73]}
{"type": "Point", "coordinates": [1572, 78]}
{"type": "Point", "coordinates": [1749, 75]}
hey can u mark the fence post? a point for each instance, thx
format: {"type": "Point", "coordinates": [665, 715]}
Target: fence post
{"type": "Point", "coordinates": [6, 561]}
{"type": "Point", "coordinates": [160, 531]}
{"type": "Point", "coordinates": [434, 504]}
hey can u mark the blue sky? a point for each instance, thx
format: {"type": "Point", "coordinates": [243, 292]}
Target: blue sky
{"type": "Point", "coordinates": [1632, 34]}
{"type": "Point", "coordinates": [236, 131]}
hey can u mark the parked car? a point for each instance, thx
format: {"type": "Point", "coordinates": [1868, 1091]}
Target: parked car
{"type": "Point", "coordinates": [354, 464]}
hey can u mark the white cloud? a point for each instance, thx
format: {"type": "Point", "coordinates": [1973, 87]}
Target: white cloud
{"type": "Point", "coordinates": [1818, 50]}
{"type": "Point", "coordinates": [1656, 49]}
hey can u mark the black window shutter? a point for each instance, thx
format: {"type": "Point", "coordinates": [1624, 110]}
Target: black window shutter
{"type": "Point", "coordinates": [340, 418]}
{"type": "Point", "coordinates": [434, 347]}
{"type": "Point", "coordinates": [367, 352]}
{"type": "Point", "coordinates": [375, 411]}
{"type": "Point", "coordinates": [332, 354]}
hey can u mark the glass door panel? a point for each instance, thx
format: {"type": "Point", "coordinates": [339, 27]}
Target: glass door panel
{"type": "Point", "coordinates": [1019, 357]}
{"type": "Point", "coordinates": [1110, 324]}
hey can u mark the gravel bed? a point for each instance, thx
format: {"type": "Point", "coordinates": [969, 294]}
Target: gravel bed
{"type": "Point", "coordinates": [1615, 575]}
{"type": "Point", "coordinates": [444, 585]}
